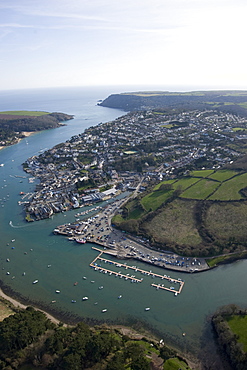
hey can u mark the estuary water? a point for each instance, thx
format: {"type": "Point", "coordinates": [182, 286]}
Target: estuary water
{"type": "Point", "coordinates": [30, 251]}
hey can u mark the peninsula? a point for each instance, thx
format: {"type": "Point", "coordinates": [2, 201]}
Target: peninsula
{"type": "Point", "coordinates": [230, 101]}
{"type": "Point", "coordinates": [15, 125]}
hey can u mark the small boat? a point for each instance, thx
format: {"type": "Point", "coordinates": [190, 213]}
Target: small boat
{"type": "Point", "coordinates": [76, 283]}
{"type": "Point", "coordinates": [85, 298]}
{"type": "Point", "coordinates": [104, 310]}
{"type": "Point", "coordinates": [7, 259]}
{"type": "Point", "coordinates": [23, 274]}
{"type": "Point", "coordinates": [81, 241]}
{"type": "Point", "coordinates": [147, 308]}
{"type": "Point", "coordinates": [73, 301]}
{"type": "Point", "coordinates": [57, 291]}
{"type": "Point", "coordinates": [2, 164]}
{"type": "Point", "coordinates": [119, 296]}
{"type": "Point", "coordinates": [101, 287]}
{"type": "Point", "coordinates": [35, 281]}
{"type": "Point", "coordinates": [95, 302]}
{"type": "Point", "coordinates": [53, 301]}
{"type": "Point", "coordinates": [7, 273]}
{"type": "Point", "coordinates": [84, 277]}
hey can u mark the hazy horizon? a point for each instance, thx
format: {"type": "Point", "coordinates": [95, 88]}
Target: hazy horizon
{"type": "Point", "coordinates": [69, 43]}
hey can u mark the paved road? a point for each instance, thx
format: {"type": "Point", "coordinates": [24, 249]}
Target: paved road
{"type": "Point", "coordinates": [98, 229]}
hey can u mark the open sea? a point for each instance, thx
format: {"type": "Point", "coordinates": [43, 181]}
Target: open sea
{"type": "Point", "coordinates": [30, 251]}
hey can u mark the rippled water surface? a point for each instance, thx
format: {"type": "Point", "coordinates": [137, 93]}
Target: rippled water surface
{"type": "Point", "coordinates": [58, 263]}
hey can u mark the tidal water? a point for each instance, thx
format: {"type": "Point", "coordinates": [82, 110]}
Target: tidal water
{"type": "Point", "coordinates": [57, 263]}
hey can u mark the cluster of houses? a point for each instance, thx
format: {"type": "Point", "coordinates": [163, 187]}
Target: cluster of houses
{"type": "Point", "coordinates": [99, 162]}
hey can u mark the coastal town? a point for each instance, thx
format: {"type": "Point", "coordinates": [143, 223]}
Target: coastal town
{"type": "Point", "coordinates": [116, 161]}
{"type": "Point", "coordinates": [98, 229]}
{"type": "Point", "coordinates": [133, 152]}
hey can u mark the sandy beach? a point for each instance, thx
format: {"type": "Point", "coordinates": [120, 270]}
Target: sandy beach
{"type": "Point", "coordinates": [25, 133]}
{"type": "Point", "coordinates": [20, 305]}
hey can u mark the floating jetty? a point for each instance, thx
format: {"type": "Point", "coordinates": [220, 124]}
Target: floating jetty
{"type": "Point", "coordinates": [97, 267]}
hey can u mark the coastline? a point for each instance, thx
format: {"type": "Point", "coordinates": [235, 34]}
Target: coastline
{"type": "Point", "coordinates": [124, 329]}
{"type": "Point", "coordinates": [18, 304]}
{"type": "Point", "coordinates": [25, 133]}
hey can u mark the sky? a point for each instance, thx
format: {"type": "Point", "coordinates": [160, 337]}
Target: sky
{"type": "Point", "coordinates": [53, 43]}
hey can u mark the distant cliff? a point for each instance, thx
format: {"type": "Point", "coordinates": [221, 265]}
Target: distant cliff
{"type": "Point", "coordinates": [231, 101]}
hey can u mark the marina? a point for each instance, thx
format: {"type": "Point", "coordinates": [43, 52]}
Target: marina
{"type": "Point", "coordinates": [97, 267]}
{"type": "Point", "coordinates": [37, 249]}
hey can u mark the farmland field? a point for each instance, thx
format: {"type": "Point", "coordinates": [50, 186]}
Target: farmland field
{"type": "Point", "coordinates": [239, 129]}
{"type": "Point", "coordinates": [185, 183]}
{"type": "Point", "coordinates": [155, 199]}
{"type": "Point", "coordinates": [201, 173]}
{"type": "Point", "coordinates": [223, 175]}
{"type": "Point", "coordinates": [229, 190]}
{"type": "Point", "coordinates": [163, 182]}
{"type": "Point", "coordinates": [201, 190]}
{"type": "Point", "coordinates": [24, 113]}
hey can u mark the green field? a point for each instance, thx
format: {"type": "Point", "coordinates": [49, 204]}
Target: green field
{"type": "Point", "coordinates": [239, 128]}
{"type": "Point", "coordinates": [25, 113]}
{"type": "Point", "coordinates": [201, 173]}
{"type": "Point", "coordinates": [154, 200]}
{"type": "Point", "coordinates": [175, 364]}
{"type": "Point", "coordinates": [238, 325]}
{"type": "Point", "coordinates": [135, 211]}
{"type": "Point", "coordinates": [222, 175]}
{"type": "Point", "coordinates": [163, 182]}
{"type": "Point", "coordinates": [185, 183]}
{"type": "Point", "coordinates": [201, 190]}
{"type": "Point", "coordinates": [229, 190]}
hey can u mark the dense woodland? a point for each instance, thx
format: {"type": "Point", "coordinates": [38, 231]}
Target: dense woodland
{"type": "Point", "coordinates": [28, 337]}
{"type": "Point", "coordinates": [229, 342]}
{"type": "Point", "coordinates": [12, 126]}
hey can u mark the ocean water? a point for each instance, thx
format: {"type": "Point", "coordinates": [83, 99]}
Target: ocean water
{"type": "Point", "coordinates": [57, 263]}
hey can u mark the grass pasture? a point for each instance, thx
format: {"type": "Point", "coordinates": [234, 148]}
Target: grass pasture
{"type": "Point", "coordinates": [185, 183]}
{"type": "Point", "coordinates": [238, 325]}
{"type": "Point", "coordinates": [222, 175]}
{"type": "Point", "coordinates": [229, 190]}
{"type": "Point", "coordinates": [175, 364]}
{"type": "Point", "coordinates": [166, 182]}
{"type": "Point", "coordinates": [155, 199]}
{"type": "Point", "coordinates": [235, 129]}
{"type": "Point", "coordinates": [24, 113]}
{"type": "Point", "coordinates": [201, 190]}
{"type": "Point", "coordinates": [201, 173]}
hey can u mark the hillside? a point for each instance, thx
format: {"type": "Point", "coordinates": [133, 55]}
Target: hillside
{"type": "Point", "coordinates": [202, 214]}
{"type": "Point", "coordinates": [228, 101]}
{"type": "Point", "coordinates": [14, 123]}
